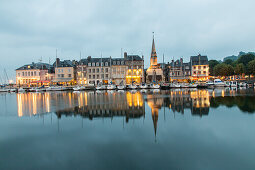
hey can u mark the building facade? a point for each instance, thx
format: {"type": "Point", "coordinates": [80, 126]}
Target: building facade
{"type": "Point", "coordinates": [179, 71]}
{"type": "Point", "coordinates": [135, 69]}
{"type": "Point", "coordinates": [65, 72]}
{"type": "Point", "coordinates": [98, 70]}
{"type": "Point", "coordinates": [111, 70]}
{"type": "Point", "coordinates": [35, 73]}
{"type": "Point", "coordinates": [199, 68]}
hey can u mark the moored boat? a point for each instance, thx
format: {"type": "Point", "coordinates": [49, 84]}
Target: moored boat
{"type": "Point", "coordinates": [121, 87]}
{"type": "Point", "coordinates": [79, 88]}
{"type": "Point", "coordinates": [132, 86]}
{"type": "Point", "coordinates": [111, 87]}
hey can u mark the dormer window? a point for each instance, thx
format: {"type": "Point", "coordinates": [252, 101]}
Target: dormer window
{"type": "Point", "coordinates": [114, 63]}
{"type": "Point", "coordinates": [97, 64]}
{"type": "Point", "coordinates": [106, 63]}
{"type": "Point", "coordinates": [89, 64]}
{"type": "Point", "coordinates": [118, 62]}
{"type": "Point", "coordinates": [93, 64]}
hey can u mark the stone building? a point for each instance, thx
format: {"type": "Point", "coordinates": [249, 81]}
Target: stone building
{"type": "Point", "coordinates": [154, 73]}
{"type": "Point", "coordinates": [98, 70]}
{"type": "Point", "coordinates": [107, 70]}
{"type": "Point", "coordinates": [199, 68]}
{"type": "Point", "coordinates": [119, 71]}
{"type": "Point", "coordinates": [65, 72]}
{"type": "Point", "coordinates": [135, 68]}
{"type": "Point", "coordinates": [179, 71]}
{"type": "Point", "coordinates": [35, 73]}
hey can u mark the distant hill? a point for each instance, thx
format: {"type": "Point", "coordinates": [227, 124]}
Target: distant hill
{"type": "Point", "coordinates": [234, 58]}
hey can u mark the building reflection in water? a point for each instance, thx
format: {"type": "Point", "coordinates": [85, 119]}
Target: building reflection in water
{"type": "Point", "coordinates": [107, 105]}
{"type": "Point", "coordinates": [86, 104]}
{"type": "Point", "coordinates": [130, 104]}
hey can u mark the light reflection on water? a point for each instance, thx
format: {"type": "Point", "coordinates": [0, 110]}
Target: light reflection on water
{"type": "Point", "coordinates": [90, 103]}
{"type": "Point", "coordinates": [178, 129]}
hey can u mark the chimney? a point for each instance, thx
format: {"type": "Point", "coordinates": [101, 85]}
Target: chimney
{"type": "Point", "coordinates": [57, 61]}
{"type": "Point", "coordinates": [125, 55]}
{"type": "Point", "coordinates": [181, 60]}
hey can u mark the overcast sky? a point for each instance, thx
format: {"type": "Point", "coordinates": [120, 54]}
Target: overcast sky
{"type": "Point", "coordinates": [32, 29]}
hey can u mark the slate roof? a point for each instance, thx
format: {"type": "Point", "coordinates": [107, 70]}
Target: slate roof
{"type": "Point", "coordinates": [41, 66]}
{"type": "Point", "coordinates": [199, 60]}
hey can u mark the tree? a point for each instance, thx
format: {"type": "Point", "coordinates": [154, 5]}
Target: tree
{"type": "Point", "coordinates": [212, 64]}
{"type": "Point", "coordinates": [230, 70]}
{"type": "Point", "coordinates": [245, 59]}
{"type": "Point", "coordinates": [223, 70]}
{"type": "Point", "coordinates": [228, 61]}
{"type": "Point", "coordinates": [251, 67]}
{"type": "Point", "coordinates": [239, 69]}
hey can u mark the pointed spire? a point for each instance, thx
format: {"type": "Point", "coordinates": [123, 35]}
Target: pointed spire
{"type": "Point", "coordinates": [153, 61]}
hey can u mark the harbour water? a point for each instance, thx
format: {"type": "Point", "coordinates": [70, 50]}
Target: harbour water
{"type": "Point", "coordinates": [150, 129]}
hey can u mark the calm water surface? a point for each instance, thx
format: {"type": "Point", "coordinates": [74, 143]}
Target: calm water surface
{"type": "Point", "coordinates": [177, 129]}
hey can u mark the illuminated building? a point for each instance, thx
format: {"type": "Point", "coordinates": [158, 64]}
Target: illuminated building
{"type": "Point", "coordinates": [64, 72]}
{"type": "Point", "coordinates": [178, 71]}
{"type": "Point", "coordinates": [154, 73]}
{"type": "Point", "coordinates": [135, 69]}
{"type": "Point", "coordinates": [98, 70]}
{"type": "Point", "coordinates": [82, 72]}
{"type": "Point", "coordinates": [34, 74]}
{"type": "Point", "coordinates": [199, 68]}
{"type": "Point", "coordinates": [119, 71]}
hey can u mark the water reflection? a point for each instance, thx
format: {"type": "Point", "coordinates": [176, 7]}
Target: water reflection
{"type": "Point", "coordinates": [130, 104]}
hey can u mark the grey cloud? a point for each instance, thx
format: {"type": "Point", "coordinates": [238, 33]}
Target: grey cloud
{"type": "Point", "coordinates": [31, 29]}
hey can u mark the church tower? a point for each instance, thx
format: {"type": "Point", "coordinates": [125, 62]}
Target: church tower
{"type": "Point", "coordinates": [154, 60]}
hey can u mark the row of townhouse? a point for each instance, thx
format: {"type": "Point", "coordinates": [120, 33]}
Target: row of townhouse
{"type": "Point", "coordinates": [197, 69]}
{"type": "Point", "coordinates": [87, 71]}
{"type": "Point", "coordinates": [106, 70]}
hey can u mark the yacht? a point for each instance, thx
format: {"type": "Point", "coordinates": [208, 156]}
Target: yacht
{"type": "Point", "coordinates": [143, 86]}
{"type": "Point", "coordinates": [101, 87]}
{"type": "Point", "coordinates": [21, 90]}
{"type": "Point", "coordinates": [121, 87]}
{"type": "Point", "coordinates": [218, 83]}
{"type": "Point", "coordinates": [40, 89]}
{"type": "Point", "coordinates": [176, 85]}
{"type": "Point", "coordinates": [111, 87]}
{"type": "Point", "coordinates": [4, 90]}
{"type": "Point", "coordinates": [184, 85]}
{"type": "Point", "coordinates": [193, 85]}
{"type": "Point", "coordinates": [227, 84]}
{"type": "Point", "coordinates": [12, 90]}
{"type": "Point", "coordinates": [132, 86]}
{"type": "Point", "coordinates": [79, 88]}
{"type": "Point", "coordinates": [33, 89]}
{"type": "Point", "coordinates": [210, 83]}
{"type": "Point", "coordinates": [55, 88]}
{"type": "Point", "coordinates": [233, 84]}
{"type": "Point", "coordinates": [155, 86]}
{"type": "Point", "coordinates": [242, 84]}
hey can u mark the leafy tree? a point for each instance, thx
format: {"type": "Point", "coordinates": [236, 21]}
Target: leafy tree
{"type": "Point", "coordinates": [228, 61]}
{"type": "Point", "coordinates": [239, 69]}
{"type": "Point", "coordinates": [212, 64]}
{"type": "Point", "coordinates": [223, 70]}
{"type": "Point", "coordinates": [230, 70]}
{"type": "Point", "coordinates": [245, 59]}
{"type": "Point", "coordinates": [251, 67]}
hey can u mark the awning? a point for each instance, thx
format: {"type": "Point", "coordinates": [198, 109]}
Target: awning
{"type": "Point", "coordinates": [45, 81]}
